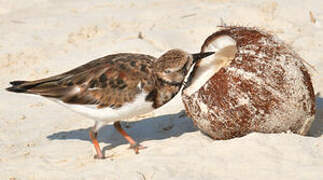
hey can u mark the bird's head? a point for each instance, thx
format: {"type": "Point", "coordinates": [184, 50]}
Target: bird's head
{"type": "Point", "coordinates": [172, 67]}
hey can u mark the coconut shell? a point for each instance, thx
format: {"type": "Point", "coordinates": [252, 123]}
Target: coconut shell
{"type": "Point", "coordinates": [265, 88]}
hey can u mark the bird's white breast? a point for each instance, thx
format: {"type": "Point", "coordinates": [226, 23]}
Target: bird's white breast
{"type": "Point", "coordinates": [137, 107]}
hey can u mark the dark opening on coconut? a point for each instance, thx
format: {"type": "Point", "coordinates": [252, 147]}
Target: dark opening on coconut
{"type": "Point", "coordinates": [225, 49]}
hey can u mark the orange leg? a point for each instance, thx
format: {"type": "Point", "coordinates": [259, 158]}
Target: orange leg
{"type": "Point", "coordinates": [93, 136]}
{"type": "Point", "coordinates": [133, 144]}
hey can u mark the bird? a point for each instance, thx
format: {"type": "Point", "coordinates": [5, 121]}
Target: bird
{"type": "Point", "coordinates": [116, 87]}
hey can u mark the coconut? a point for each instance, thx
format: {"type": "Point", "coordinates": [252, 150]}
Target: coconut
{"type": "Point", "coordinates": [253, 83]}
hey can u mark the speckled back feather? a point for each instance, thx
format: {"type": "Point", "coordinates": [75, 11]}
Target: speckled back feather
{"type": "Point", "coordinates": [109, 81]}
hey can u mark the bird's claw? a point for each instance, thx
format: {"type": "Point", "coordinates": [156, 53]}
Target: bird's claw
{"type": "Point", "coordinates": [98, 157]}
{"type": "Point", "coordinates": [136, 147]}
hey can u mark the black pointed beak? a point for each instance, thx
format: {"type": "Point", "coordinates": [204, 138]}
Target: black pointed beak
{"type": "Point", "coordinates": [199, 56]}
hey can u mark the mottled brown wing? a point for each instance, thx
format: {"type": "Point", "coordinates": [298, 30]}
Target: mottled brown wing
{"type": "Point", "coordinates": [109, 81]}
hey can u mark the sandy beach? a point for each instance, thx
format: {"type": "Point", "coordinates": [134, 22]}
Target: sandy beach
{"type": "Point", "coordinates": [39, 139]}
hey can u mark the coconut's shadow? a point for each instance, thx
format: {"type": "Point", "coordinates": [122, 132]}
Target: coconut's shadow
{"type": "Point", "coordinates": [155, 128]}
{"type": "Point", "coordinates": [317, 127]}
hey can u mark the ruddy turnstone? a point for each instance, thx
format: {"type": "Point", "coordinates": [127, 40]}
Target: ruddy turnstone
{"type": "Point", "coordinates": [116, 87]}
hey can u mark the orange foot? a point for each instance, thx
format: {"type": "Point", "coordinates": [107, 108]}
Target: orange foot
{"type": "Point", "coordinates": [136, 147]}
{"type": "Point", "coordinates": [133, 144]}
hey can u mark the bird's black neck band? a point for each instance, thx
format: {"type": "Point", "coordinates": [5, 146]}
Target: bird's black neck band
{"type": "Point", "coordinates": [179, 84]}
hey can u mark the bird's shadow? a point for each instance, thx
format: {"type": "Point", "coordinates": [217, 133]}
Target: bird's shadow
{"type": "Point", "coordinates": [316, 129]}
{"type": "Point", "coordinates": [161, 127]}
{"type": "Point", "coordinates": [154, 128]}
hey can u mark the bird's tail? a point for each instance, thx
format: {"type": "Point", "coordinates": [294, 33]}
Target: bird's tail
{"type": "Point", "coordinates": [20, 86]}
{"type": "Point", "coordinates": [44, 87]}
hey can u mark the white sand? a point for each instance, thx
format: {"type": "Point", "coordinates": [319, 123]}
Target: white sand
{"type": "Point", "coordinates": [41, 140]}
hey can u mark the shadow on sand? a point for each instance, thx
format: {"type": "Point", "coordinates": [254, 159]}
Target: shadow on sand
{"type": "Point", "coordinates": [161, 127]}
{"type": "Point", "coordinates": [317, 127]}
{"type": "Point", "coordinates": [155, 128]}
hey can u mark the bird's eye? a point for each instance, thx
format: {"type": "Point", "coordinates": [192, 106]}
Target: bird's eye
{"type": "Point", "coordinates": [167, 71]}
